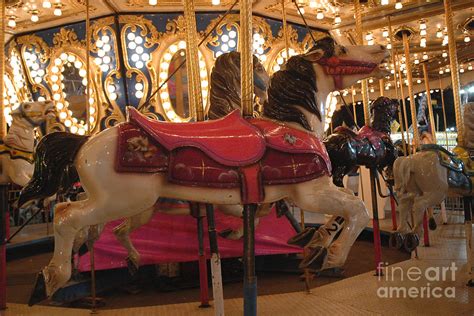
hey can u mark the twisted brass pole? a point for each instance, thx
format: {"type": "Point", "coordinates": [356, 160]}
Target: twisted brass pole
{"type": "Point", "coordinates": [246, 59]}
{"type": "Point", "coordinates": [393, 54]}
{"type": "Point", "coordinates": [285, 30]}
{"type": "Point", "coordinates": [192, 61]}
{"type": "Point", "coordinates": [404, 106]}
{"type": "Point", "coordinates": [3, 122]}
{"type": "Point", "coordinates": [88, 76]}
{"type": "Point", "coordinates": [360, 41]}
{"type": "Point", "coordinates": [444, 113]}
{"type": "Point", "coordinates": [406, 46]}
{"type": "Point", "coordinates": [381, 87]}
{"type": "Point", "coordinates": [354, 108]}
{"type": "Point", "coordinates": [428, 99]}
{"type": "Point", "coordinates": [453, 62]}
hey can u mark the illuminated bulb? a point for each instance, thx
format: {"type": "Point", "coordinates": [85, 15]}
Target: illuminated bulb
{"type": "Point", "coordinates": [337, 19]}
{"type": "Point", "coordinates": [232, 43]}
{"type": "Point", "coordinates": [91, 110]}
{"type": "Point", "coordinates": [104, 68]}
{"type": "Point", "coordinates": [384, 2]}
{"type": "Point", "coordinates": [68, 123]}
{"type": "Point", "coordinates": [71, 58]}
{"type": "Point", "coordinates": [181, 45]}
{"type": "Point", "coordinates": [111, 88]}
{"type": "Point", "coordinates": [469, 67]}
{"type": "Point", "coordinates": [105, 39]}
{"type": "Point", "coordinates": [63, 56]}
{"type": "Point", "coordinates": [461, 70]}
{"type": "Point", "coordinates": [368, 37]}
{"type": "Point", "coordinates": [232, 34]}
{"type": "Point", "coordinates": [107, 48]}
{"type": "Point", "coordinates": [132, 45]}
{"type": "Point", "coordinates": [139, 94]}
{"type": "Point", "coordinates": [152, 2]}
{"type": "Point", "coordinates": [389, 46]}
{"type": "Point", "coordinates": [416, 61]}
{"type": "Point", "coordinates": [441, 72]}
{"type": "Point", "coordinates": [139, 86]}
{"type": "Point", "coordinates": [216, 2]}
{"type": "Point", "coordinates": [139, 50]}
{"type": "Point", "coordinates": [74, 129]}
{"type": "Point", "coordinates": [113, 96]}
{"type": "Point", "coordinates": [425, 56]}
{"type": "Point", "coordinates": [444, 54]}
{"type": "Point", "coordinates": [131, 36]}
{"type": "Point", "coordinates": [313, 4]}
{"type": "Point", "coordinates": [422, 25]}
{"type": "Point", "coordinates": [320, 15]}
{"type": "Point", "coordinates": [139, 64]}
{"type": "Point", "coordinates": [11, 22]}
{"type": "Point", "coordinates": [418, 81]}
{"type": "Point", "coordinates": [467, 39]}
{"type": "Point", "coordinates": [371, 42]}
{"type": "Point", "coordinates": [34, 17]}
{"type": "Point", "coordinates": [224, 47]}
{"type": "Point", "coordinates": [57, 11]}
{"type": "Point", "coordinates": [107, 59]}
{"type": "Point", "coordinates": [225, 38]}
{"type": "Point", "coordinates": [385, 33]}
{"type": "Point", "coordinates": [98, 61]}
{"type": "Point", "coordinates": [78, 64]}
{"type": "Point", "coordinates": [423, 32]}
{"type": "Point", "coordinates": [398, 5]}
{"type": "Point", "coordinates": [82, 72]}
{"type": "Point", "coordinates": [46, 4]}
{"type": "Point", "coordinates": [439, 33]}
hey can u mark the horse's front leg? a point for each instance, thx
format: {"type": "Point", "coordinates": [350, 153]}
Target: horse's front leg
{"type": "Point", "coordinates": [122, 233]}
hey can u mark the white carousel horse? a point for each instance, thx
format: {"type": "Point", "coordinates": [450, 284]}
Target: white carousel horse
{"type": "Point", "coordinates": [16, 149]}
{"type": "Point", "coordinates": [224, 98]}
{"type": "Point", "coordinates": [297, 97]}
{"type": "Point", "coordinates": [426, 178]}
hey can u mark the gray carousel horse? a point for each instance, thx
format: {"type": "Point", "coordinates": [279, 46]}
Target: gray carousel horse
{"type": "Point", "coordinates": [426, 178]}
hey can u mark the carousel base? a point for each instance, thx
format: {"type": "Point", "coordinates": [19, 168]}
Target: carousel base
{"type": "Point", "coordinates": [355, 295]}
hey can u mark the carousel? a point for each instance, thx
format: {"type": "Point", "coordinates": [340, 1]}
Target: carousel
{"type": "Point", "coordinates": [156, 157]}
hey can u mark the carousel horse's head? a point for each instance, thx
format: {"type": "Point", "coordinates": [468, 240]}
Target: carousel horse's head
{"type": "Point", "coordinates": [298, 92]}
{"type": "Point", "coordinates": [34, 113]}
{"type": "Point", "coordinates": [225, 84]}
{"type": "Point", "coordinates": [469, 124]}
{"type": "Point", "coordinates": [383, 111]}
{"type": "Point", "coordinates": [347, 64]}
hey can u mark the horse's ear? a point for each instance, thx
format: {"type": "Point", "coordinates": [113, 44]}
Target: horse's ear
{"type": "Point", "coordinates": [314, 55]}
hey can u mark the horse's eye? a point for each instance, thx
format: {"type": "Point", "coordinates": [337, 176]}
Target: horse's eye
{"type": "Point", "coordinates": [343, 50]}
{"type": "Point", "coordinates": [26, 106]}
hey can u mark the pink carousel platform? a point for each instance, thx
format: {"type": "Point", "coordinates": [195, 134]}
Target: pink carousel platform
{"type": "Point", "coordinates": [173, 238]}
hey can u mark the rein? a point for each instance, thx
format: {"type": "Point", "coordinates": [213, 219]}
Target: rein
{"type": "Point", "coordinates": [337, 68]}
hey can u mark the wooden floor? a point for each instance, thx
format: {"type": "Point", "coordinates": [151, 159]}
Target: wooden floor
{"type": "Point", "coordinates": [352, 296]}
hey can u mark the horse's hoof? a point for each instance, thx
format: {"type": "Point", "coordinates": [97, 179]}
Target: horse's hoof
{"type": "Point", "coordinates": [225, 233]}
{"type": "Point", "coordinates": [432, 223]}
{"type": "Point", "coordinates": [336, 272]}
{"type": "Point", "coordinates": [396, 240]}
{"type": "Point", "coordinates": [314, 260]}
{"type": "Point", "coordinates": [411, 242]}
{"type": "Point", "coordinates": [132, 267]}
{"type": "Point", "coordinates": [38, 294]}
{"type": "Point", "coordinates": [303, 238]}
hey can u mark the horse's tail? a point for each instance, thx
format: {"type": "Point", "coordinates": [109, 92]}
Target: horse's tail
{"type": "Point", "coordinates": [402, 173]}
{"type": "Point", "coordinates": [54, 165]}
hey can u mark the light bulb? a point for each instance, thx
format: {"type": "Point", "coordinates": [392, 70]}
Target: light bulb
{"type": "Point", "coordinates": [422, 25]}
{"type": "Point", "coordinates": [385, 33]}
{"type": "Point", "coordinates": [11, 22]}
{"type": "Point", "coordinates": [398, 5]}
{"type": "Point", "coordinates": [153, 2]}
{"type": "Point", "coordinates": [423, 32]}
{"type": "Point", "coordinates": [320, 15]}
{"type": "Point", "coordinates": [34, 18]}
{"type": "Point", "coordinates": [444, 54]}
{"type": "Point", "coordinates": [469, 67]}
{"type": "Point", "coordinates": [57, 11]}
{"type": "Point", "coordinates": [337, 19]}
{"type": "Point", "coordinates": [46, 4]}
{"type": "Point", "coordinates": [216, 2]}
{"type": "Point", "coordinates": [389, 46]}
{"type": "Point", "coordinates": [467, 39]}
{"type": "Point", "coordinates": [439, 33]}
{"type": "Point", "coordinates": [384, 2]}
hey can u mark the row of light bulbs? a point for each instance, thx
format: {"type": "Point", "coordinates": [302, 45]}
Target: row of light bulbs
{"type": "Point", "coordinates": [32, 8]}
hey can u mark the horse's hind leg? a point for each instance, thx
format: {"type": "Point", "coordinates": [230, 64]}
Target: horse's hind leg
{"type": "Point", "coordinates": [321, 196]}
{"type": "Point", "coordinates": [122, 233]}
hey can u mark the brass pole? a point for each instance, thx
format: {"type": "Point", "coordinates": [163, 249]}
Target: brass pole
{"type": "Point", "coordinates": [428, 99]}
{"type": "Point", "coordinates": [285, 30]}
{"type": "Point", "coordinates": [192, 61]}
{"type": "Point", "coordinates": [246, 59]}
{"type": "Point", "coordinates": [381, 87]}
{"type": "Point", "coordinates": [360, 41]}
{"type": "Point", "coordinates": [444, 113]}
{"type": "Point", "coordinates": [404, 106]}
{"type": "Point", "coordinates": [393, 54]}
{"type": "Point", "coordinates": [88, 92]}
{"type": "Point", "coordinates": [406, 46]}
{"type": "Point", "coordinates": [3, 121]}
{"type": "Point", "coordinates": [453, 62]}
{"type": "Point", "coordinates": [354, 108]}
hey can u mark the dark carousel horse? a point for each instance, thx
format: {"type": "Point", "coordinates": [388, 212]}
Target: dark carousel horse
{"type": "Point", "coordinates": [372, 147]}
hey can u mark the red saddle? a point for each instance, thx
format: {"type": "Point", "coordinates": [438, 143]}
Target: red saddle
{"type": "Point", "coordinates": [227, 153]}
{"type": "Point", "coordinates": [231, 140]}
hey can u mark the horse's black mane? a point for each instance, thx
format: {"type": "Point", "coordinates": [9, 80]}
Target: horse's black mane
{"type": "Point", "coordinates": [383, 110]}
{"type": "Point", "coordinates": [225, 85]}
{"type": "Point", "coordinates": [293, 87]}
